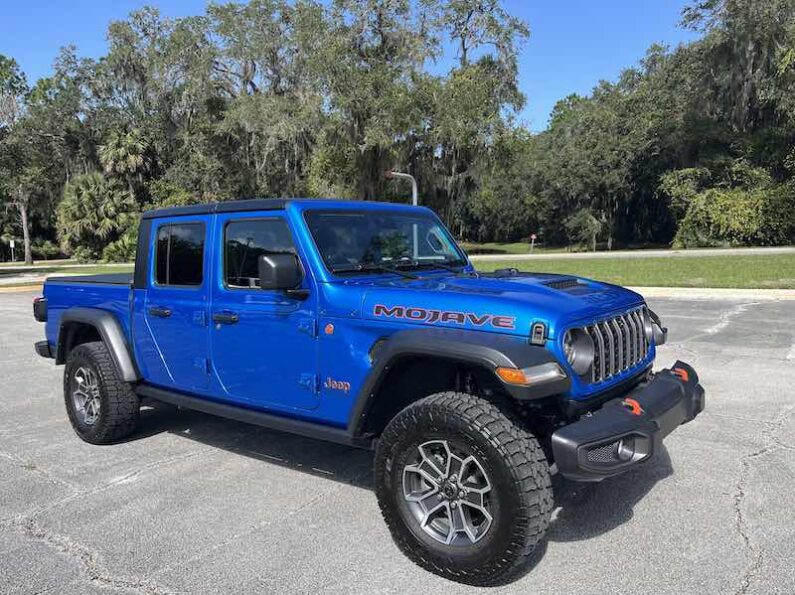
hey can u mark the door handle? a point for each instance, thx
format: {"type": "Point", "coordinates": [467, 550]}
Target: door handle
{"type": "Point", "coordinates": [226, 317]}
{"type": "Point", "coordinates": [160, 312]}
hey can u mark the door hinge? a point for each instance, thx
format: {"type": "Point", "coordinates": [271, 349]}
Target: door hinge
{"type": "Point", "coordinates": [308, 326]}
{"type": "Point", "coordinates": [310, 381]}
{"type": "Point", "coordinates": [200, 317]}
{"type": "Point", "coordinates": [202, 363]}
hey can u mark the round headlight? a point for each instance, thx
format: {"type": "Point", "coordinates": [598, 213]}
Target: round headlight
{"type": "Point", "coordinates": [653, 328]}
{"type": "Point", "coordinates": [648, 325]}
{"type": "Point", "coordinates": [578, 349]}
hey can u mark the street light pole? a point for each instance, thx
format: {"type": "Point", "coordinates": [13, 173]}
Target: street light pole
{"type": "Point", "coordinates": [401, 176]}
{"type": "Point", "coordinates": [391, 175]}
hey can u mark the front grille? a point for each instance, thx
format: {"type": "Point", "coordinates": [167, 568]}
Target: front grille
{"type": "Point", "coordinates": [620, 343]}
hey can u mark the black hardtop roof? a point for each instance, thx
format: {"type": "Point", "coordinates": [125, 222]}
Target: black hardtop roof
{"type": "Point", "coordinates": [232, 206]}
{"type": "Point", "coordinates": [266, 204]}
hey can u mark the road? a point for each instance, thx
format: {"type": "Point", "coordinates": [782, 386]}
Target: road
{"type": "Point", "coordinates": [195, 504]}
{"type": "Point", "coordinates": [638, 254]}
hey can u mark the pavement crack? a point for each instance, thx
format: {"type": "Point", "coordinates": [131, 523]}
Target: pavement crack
{"type": "Point", "coordinates": [725, 319]}
{"type": "Point", "coordinates": [87, 559]}
{"type": "Point", "coordinates": [33, 468]}
{"type": "Point", "coordinates": [753, 551]}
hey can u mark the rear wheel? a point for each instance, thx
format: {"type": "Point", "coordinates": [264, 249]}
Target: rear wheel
{"type": "Point", "coordinates": [465, 491]}
{"type": "Point", "coordinates": [101, 406]}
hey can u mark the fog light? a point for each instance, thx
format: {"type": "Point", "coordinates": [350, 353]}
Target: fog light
{"type": "Point", "coordinates": [626, 449]}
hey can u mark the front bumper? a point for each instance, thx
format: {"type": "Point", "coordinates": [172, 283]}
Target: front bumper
{"type": "Point", "coordinates": [629, 430]}
{"type": "Point", "coordinates": [43, 349]}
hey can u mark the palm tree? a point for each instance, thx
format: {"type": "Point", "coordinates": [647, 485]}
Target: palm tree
{"type": "Point", "coordinates": [94, 212]}
{"type": "Point", "coordinates": [125, 156]}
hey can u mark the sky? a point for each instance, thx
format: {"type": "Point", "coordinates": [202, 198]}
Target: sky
{"type": "Point", "coordinates": [573, 43]}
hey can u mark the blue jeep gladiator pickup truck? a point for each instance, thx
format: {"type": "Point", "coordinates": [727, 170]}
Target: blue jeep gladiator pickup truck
{"type": "Point", "coordinates": [365, 324]}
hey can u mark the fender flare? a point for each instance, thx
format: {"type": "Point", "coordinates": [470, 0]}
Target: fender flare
{"type": "Point", "coordinates": [488, 350]}
{"type": "Point", "coordinates": [111, 332]}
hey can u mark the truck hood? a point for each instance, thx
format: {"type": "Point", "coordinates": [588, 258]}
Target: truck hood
{"type": "Point", "coordinates": [505, 304]}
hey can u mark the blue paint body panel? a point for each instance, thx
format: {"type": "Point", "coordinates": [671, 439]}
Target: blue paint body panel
{"type": "Point", "coordinates": [283, 356]}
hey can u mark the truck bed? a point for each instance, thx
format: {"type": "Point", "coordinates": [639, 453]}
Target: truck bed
{"type": "Point", "coordinates": [109, 292]}
{"type": "Point", "coordinates": [104, 279]}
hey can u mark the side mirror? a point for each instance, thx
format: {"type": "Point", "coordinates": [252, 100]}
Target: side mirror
{"type": "Point", "coordinates": [281, 271]}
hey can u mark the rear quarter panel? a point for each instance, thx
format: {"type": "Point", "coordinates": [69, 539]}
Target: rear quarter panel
{"type": "Point", "coordinates": [62, 295]}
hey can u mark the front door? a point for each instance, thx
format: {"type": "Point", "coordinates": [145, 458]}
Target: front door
{"type": "Point", "coordinates": [263, 345]}
{"type": "Point", "coordinates": [177, 305]}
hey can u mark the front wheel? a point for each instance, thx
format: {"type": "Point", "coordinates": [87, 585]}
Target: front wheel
{"type": "Point", "coordinates": [465, 491]}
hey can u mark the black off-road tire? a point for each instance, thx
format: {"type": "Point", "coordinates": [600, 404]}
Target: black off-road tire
{"type": "Point", "coordinates": [519, 474]}
{"type": "Point", "coordinates": [119, 405]}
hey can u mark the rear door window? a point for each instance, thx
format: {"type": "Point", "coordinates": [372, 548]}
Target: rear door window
{"type": "Point", "coordinates": [179, 254]}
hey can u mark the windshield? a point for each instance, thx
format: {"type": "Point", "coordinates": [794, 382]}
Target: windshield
{"type": "Point", "coordinates": [352, 241]}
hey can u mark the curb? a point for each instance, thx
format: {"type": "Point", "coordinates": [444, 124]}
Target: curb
{"type": "Point", "coordinates": [639, 254]}
{"type": "Point", "coordinates": [715, 293]}
{"type": "Point", "coordinates": [693, 293]}
{"type": "Point", "coordinates": [21, 288]}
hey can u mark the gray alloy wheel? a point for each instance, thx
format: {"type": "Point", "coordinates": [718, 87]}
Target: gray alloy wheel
{"type": "Point", "coordinates": [102, 408]}
{"type": "Point", "coordinates": [447, 491]}
{"type": "Point", "coordinates": [86, 395]}
{"type": "Point", "coordinates": [464, 488]}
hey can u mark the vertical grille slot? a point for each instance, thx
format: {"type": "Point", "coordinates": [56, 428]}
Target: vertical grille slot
{"type": "Point", "coordinates": [620, 343]}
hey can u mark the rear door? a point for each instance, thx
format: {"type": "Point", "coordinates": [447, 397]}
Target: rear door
{"type": "Point", "coordinates": [177, 306]}
{"type": "Point", "coordinates": [264, 350]}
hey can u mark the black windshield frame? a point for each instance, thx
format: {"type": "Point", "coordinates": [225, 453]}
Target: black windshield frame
{"type": "Point", "coordinates": [460, 259]}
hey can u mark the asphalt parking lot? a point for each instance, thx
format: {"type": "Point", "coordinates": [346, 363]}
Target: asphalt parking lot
{"type": "Point", "coordinates": [196, 504]}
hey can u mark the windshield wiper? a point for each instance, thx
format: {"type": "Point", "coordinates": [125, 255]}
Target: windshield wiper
{"type": "Point", "coordinates": [372, 268]}
{"type": "Point", "coordinates": [432, 264]}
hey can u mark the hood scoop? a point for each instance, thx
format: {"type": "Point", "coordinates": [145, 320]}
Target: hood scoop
{"type": "Point", "coordinates": [563, 284]}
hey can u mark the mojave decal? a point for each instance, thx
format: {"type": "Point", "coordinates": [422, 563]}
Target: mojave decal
{"type": "Point", "coordinates": [444, 316]}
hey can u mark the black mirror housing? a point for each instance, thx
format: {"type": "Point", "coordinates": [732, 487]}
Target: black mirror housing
{"type": "Point", "coordinates": [279, 271]}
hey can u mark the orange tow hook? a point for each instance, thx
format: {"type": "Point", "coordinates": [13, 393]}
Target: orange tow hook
{"type": "Point", "coordinates": [632, 405]}
{"type": "Point", "coordinates": [681, 373]}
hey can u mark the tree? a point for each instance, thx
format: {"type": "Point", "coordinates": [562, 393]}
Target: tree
{"type": "Point", "coordinates": [303, 97]}
{"type": "Point", "coordinates": [125, 157]}
{"type": "Point", "coordinates": [17, 175]}
{"type": "Point", "coordinates": [13, 88]}
{"type": "Point", "coordinates": [93, 213]}
{"type": "Point", "coordinates": [583, 228]}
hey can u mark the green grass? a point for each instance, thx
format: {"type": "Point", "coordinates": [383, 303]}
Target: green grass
{"type": "Point", "coordinates": [89, 269]}
{"type": "Point", "coordinates": [19, 265]}
{"type": "Point", "coordinates": [774, 271]}
{"type": "Point", "coordinates": [26, 281]}
{"type": "Point", "coordinates": [502, 248]}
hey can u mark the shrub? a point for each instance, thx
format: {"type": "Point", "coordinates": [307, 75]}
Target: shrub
{"type": "Point", "coordinates": [123, 249]}
{"type": "Point", "coordinates": [45, 250]}
{"type": "Point", "coordinates": [738, 217]}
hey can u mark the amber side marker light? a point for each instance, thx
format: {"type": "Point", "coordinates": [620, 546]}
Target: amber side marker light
{"type": "Point", "coordinates": [512, 375]}
{"type": "Point", "coordinates": [532, 375]}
